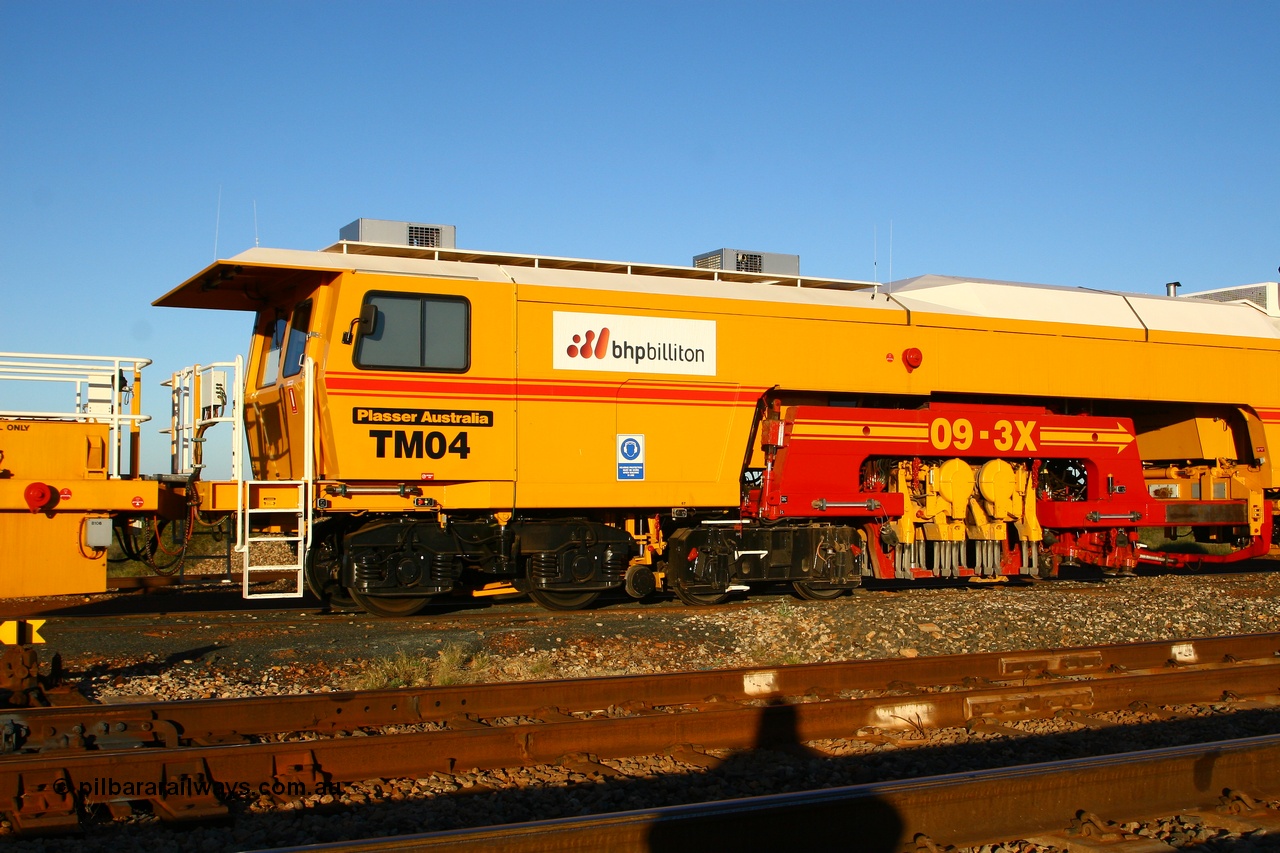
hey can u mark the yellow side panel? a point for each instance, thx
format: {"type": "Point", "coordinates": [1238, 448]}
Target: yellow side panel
{"type": "Point", "coordinates": [270, 496]}
{"type": "Point", "coordinates": [42, 555]}
{"type": "Point", "coordinates": [434, 428]}
{"type": "Point", "coordinates": [670, 455]}
{"type": "Point", "coordinates": [690, 431]}
{"type": "Point", "coordinates": [1194, 438]}
{"type": "Point", "coordinates": [53, 450]}
{"type": "Point", "coordinates": [1046, 361]}
{"type": "Point", "coordinates": [570, 453]}
{"type": "Point", "coordinates": [142, 496]}
{"type": "Point", "coordinates": [217, 496]}
{"type": "Point", "coordinates": [567, 444]}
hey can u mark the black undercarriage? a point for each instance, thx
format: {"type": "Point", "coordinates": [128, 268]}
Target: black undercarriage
{"type": "Point", "coordinates": [713, 559]}
{"type": "Point", "coordinates": [393, 565]}
{"type": "Point", "coordinates": [418, 557]}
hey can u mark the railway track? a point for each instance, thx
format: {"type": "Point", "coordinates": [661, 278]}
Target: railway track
{"type": "Point", "coordinates": [227, 608]}
{"type": "Point", "coordinates": [188, 760]}
{"type": "Point", "coordinates": [1070, 805]}
{"type": "Point", "coordinates": [210, 597]}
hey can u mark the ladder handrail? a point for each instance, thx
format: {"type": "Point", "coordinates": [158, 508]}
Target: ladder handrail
{"type": "Point", "coordinates": [309, 448]}
{"type": "Point", "coordinates": [186, 422]}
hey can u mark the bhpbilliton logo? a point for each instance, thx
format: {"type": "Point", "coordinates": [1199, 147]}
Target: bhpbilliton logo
{"type": "Point", "coordinates": [630, 343]}
{"type": "Point", "coordinates": [579, 349]}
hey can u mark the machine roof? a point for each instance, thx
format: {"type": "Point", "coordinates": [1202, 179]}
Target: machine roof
{"type": "Point", "coordinates": [240, 283]}
{"type": "Point", "coordinates": [245, 282]}
{"type": "Point", "coordinates": [1012, 300]}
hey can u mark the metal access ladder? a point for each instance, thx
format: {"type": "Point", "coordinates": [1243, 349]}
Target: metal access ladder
{"type": "Point", "coordinates": [255, 499]}
{"type": "Point", "coordinates": [263, 498]}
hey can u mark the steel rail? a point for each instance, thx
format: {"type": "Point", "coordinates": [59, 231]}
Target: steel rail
{"type": "Point", "coordinates": [179, 595]}
{"type": "Point", "coordinates": [176, 780]}
{"type": "Point", "coordinates": [964, 809]}
{"type": "Point", "coordinates": [222, 720]}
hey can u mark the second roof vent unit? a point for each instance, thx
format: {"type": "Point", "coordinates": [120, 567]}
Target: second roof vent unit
{"type": "Point", "coordinates": [736, 260]}
{"type": "Point", "coordinates": [399, 233]}
{"type": "Point", "coordinates": [1264, 294]}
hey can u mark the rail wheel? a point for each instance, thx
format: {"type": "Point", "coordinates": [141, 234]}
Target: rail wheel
{"type": "Point", "coordinates": [557, 600]}
{"type": "Point", "coordinates": [699, 599]}
{"type": "Point", "coordinates": [323, 563]}
{"type": "Point", "coordinates": [387, 607]}
{"type": "Point", "coordinates": [817, 592]}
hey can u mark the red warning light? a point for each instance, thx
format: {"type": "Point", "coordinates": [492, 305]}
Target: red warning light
{"type": "Point", "coordinates": [912, 358]}
{"type": "Point", "coordinates": [39, 496]}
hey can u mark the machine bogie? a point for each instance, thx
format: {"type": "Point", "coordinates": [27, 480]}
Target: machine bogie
{"type": "Point", "coordinates": [717, 558]}
{"type": "Point", "coordinates": [412, 556]}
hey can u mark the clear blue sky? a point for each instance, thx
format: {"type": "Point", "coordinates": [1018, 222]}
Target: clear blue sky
{"type": "Point", "coordinates": [1115, 145]}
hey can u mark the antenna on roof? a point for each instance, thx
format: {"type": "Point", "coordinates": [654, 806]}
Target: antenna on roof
{"type": "Point", "coordinates": [217, 220]}
{"type": "Point", "coordinates": [255, 223]}
{"type": "Point", "coordinates": [875, 258]}
{"type": "Point", "coordinates": [890, 251]}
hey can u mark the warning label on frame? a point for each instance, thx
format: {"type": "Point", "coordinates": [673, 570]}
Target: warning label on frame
{"type": "Point", "coordinates": [630, 457]}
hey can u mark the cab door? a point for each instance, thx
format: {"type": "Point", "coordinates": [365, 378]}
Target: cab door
{"type": "Point", "coordinates": [275, 403]}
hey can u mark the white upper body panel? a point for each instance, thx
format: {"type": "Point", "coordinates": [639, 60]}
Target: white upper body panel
{"type": "Point", "coordinates": [1044, 303]}
{"type": "Point", "coordinates": [971, 298]}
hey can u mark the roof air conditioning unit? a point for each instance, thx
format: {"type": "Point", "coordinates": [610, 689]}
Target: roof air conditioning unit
{"type": "Point", "coordinates": [396, 233]}
{"type": "Point", "coordinates": [737, 260]}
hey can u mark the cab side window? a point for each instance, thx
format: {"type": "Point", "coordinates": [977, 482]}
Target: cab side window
{"type": "Point", "coordinates": [271, 364]}
{"type": "Point", "coordinates": [297, 339]}
{"type": "Point", "coordinates": [414, 332]}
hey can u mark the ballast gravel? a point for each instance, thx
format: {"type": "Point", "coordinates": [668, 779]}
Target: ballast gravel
{"type": "Point", "coordinates": [329, 652]}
